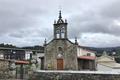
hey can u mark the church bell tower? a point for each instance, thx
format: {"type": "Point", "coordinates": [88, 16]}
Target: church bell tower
{"type": "Point", "coordinates": [60, 28]}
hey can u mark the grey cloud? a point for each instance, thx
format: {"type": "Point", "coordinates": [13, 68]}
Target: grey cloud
{"type": "Point", "coordinates": [112, 10]}
{"type": "Point", "coordinates": [86, 25]}
{"type": "Point", "coordinates": [96, 21]}
{"type": "Point", "coordinates": [17, 15]}
{"type": "Point", "coordinates": [32, 32]}
{"type": "Point", "coordinates": [16, 35]}
{"type": "Point", "coordinates": [28, 22]}
{"type": "Point", "coordinates": [99, 40]}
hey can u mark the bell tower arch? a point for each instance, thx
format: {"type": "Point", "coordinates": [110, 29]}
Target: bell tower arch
{"type": "Point", "coordinates": [60, 28]}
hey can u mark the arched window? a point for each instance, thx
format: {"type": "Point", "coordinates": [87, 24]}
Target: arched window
{"type": "Point", "coordinates": [58, 33]}
{"type": "Point", "coordinates": [62, 32]}
{"type": "Point", "coordinates": [60, 50]}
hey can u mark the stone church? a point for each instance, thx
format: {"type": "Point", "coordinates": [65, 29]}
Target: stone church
{"type": "Point", "coordinates": [62, 54]}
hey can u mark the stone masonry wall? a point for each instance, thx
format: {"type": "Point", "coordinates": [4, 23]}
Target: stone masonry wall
{"type": "Point", "coordinates": [75, 75]}
{"type": "Point", "coordinates": [69, 55]}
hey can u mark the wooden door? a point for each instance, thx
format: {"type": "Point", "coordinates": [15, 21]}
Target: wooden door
{"type": "Point", "coordinates": [60, 64]}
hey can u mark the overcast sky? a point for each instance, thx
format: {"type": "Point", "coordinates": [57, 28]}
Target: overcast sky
{"type": "Point", "coordinates": [28, 22]}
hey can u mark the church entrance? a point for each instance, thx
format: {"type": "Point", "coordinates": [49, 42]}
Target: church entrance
{"type": "Point", "coordinates": [59, 64]}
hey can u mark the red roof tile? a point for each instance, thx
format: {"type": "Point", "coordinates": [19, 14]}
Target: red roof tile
{"type": "Point", "coordinates": [22, 62]}
{"type": "Point", "coordinates": [87, 57]}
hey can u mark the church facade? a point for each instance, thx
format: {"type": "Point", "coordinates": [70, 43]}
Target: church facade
{"type": "Point", "coordinates": [62, 54]}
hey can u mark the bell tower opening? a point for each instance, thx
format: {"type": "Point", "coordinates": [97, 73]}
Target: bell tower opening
{"type": "Point", "coordinates": [60, 28]}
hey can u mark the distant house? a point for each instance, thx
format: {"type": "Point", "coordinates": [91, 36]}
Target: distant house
{"type": "Point", "coordinates": [1, 55]}
{"type": "Point", "coordinates": [19, 53]}
{"type": "Point", "coordinates": [107, 63]}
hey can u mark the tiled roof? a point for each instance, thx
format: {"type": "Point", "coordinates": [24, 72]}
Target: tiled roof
{"type": "Point", "coordinates": [21, 62]}
{"type": "Point", "coordinates": [87, 57]}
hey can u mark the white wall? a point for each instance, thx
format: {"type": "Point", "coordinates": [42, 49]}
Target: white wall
{"type": "Point", "coordinates": [83, 52]}
{"type": "Point", "coordinates": [105, 68]}
{"type": "Point", "coordinates": [27, 54]}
